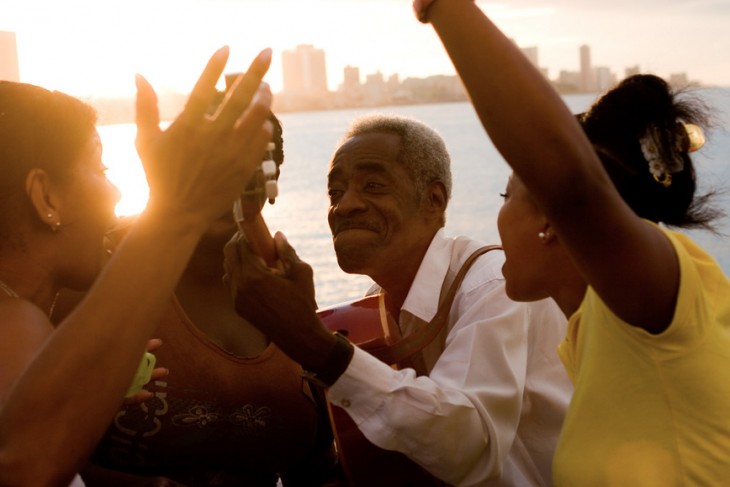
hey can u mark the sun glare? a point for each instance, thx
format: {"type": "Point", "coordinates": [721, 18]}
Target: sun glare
{"type": "Point", "coordinates": [125, 169]}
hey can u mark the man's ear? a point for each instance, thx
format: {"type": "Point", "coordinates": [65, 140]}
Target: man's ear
{"type": "Point", "coordinates": [44, 197]}
{"type": "Point", "coordinates": [436, 200]}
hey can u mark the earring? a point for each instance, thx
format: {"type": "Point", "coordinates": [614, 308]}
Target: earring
{"type": "Point", "coordinates": [543, 236]}
{"type": "Point", "coordinates": [50, 215]}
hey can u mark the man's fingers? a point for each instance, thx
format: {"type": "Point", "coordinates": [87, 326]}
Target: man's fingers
{"type": "Point", "coordinates": [284, 249]}
{"type": "Point", "coordinates": [232, 259]}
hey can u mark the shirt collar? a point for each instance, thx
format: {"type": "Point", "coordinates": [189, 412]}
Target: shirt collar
{"type": "Point", "coordinates": [423, 296]}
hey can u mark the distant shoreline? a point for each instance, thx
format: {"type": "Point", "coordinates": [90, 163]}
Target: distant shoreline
{"type": "Point", "coordinates": [120, 110]}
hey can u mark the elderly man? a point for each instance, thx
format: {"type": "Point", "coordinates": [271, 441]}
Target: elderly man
{"type": "Point", "coordinates": [485, 399]}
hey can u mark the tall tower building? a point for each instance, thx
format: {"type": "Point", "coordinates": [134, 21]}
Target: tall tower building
{"type": "Point", "coordinates": [586, 70]}
{"type": "Point", "coordinates": [304, 71]}
{"type": "Point", "coordinates": [351, 77]}
{"type": "Point", "coordinates": [9, 69]}
{"type": "Point", "coordinates": [632, 70]}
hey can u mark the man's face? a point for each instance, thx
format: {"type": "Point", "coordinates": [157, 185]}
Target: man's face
{"type": "Point", "coordinates": [375, 215]}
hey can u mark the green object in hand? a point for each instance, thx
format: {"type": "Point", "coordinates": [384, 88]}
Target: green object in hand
{"type": "Point", "coordinates": [143, 374]}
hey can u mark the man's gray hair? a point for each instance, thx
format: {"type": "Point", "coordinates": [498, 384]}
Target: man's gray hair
{"type": "Point", "coordinates": [423, 152]}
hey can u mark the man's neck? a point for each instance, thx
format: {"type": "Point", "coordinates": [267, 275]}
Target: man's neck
{"type": "Point", "coordinates": [397, 280]}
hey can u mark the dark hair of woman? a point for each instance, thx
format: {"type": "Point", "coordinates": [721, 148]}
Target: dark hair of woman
{"type": "Point", "coordinates": [38, 129]}
{"type": "Point", "coordinates": [644, 109]}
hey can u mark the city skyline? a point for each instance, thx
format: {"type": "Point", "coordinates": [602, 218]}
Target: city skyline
{"type": "Point", "coordinates": [304, 70]}
{"type": "Point", "coordinates": [88, 48]}
{"type": "Point", "coordinates": [305, 73]}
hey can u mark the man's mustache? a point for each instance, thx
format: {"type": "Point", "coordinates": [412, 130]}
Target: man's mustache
{"type": "Point", "coordinates": [342, 225]}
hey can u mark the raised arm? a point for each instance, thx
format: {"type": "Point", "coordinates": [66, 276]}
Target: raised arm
{"type": "Point", "coordinates": [630, 263]}
{"type": "Point", "coordinates": [63, 402]}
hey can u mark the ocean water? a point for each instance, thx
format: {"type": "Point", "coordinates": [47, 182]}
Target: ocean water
{"type": "Point", "coordinates": [479, 175]}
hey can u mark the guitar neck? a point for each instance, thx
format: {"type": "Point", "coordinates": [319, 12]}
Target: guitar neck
{"type": "Point", "coordinates": [259, 238]}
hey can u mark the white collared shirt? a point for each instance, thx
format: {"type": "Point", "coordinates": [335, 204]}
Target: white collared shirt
{"type": "Point", "coordinates": [494, 400]}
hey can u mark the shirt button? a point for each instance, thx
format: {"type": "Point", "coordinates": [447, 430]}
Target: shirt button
{"type": "Point", "coordinates": [345, 403]}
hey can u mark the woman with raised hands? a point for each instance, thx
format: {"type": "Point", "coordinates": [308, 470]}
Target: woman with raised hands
{"type": "Point", "coordinates": [585, 222]}
{"type": "Point", "coordinates": [60, 387]}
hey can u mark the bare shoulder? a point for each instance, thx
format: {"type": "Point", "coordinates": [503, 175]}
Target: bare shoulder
{"type": "Point", "coordinates": [24, 328]}
{"type": "Point", "coordinates": [18, 316]}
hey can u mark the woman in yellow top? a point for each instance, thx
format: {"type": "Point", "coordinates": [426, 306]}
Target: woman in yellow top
{"type": "Point", "coordinates": [648, 345]}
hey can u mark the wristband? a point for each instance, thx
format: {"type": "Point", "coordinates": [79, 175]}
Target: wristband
{"type": "Point", "coordinates": [420, 8]}
{"type": "Point", "coordinates": [335, 364]}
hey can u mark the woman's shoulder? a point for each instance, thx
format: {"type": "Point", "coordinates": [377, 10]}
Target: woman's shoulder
{"type": "Point", "coordinates": [697, 266]}
{"type": "Point", "coordinates": [18, 314]}
{"type": "Point", "coordinates": [24, 328]}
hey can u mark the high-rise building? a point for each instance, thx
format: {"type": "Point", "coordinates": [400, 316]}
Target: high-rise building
{"type": "Point", "coordinates": [632, 70]}
{"type": "Point", "coordinates": [351, 77]}
{"type": "Point", "coordinates": [604, 78]}
{"type": "Point", "coordinates": [678, 80]}
{"type": "Point", "coordinates": [586, 70]}
{"type": "Point", "coordinates": [9, 69]}
{"type": "Point", "coordinates": [304, 71]}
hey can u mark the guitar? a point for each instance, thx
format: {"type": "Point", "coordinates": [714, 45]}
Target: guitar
{"type": "Point", "coordinates": [365, 322]}
{"type": "Point", "coordinates": [368, 324]}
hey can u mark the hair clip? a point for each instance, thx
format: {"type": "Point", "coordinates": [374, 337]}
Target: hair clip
{"type": "Point", "coordinates": [662, 165]}
{"type": "Point", "coordinates": [695, 137]}
{"type": "Point", "coordinates": [659, 167]}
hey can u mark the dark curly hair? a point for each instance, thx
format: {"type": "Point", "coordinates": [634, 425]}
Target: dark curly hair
{"type": "Point", "coordinates": [616, 124]}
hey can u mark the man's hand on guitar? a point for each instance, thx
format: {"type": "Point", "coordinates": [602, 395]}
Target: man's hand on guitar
{"type": "Point", "coordinates": [280, 302]}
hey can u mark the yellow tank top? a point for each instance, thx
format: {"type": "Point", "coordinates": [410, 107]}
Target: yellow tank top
{"type": "Point", "coordinates": [651, 410]}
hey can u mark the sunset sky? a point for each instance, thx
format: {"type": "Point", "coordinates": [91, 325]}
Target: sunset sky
{"type": "Point", "coordinates": [88, 47]}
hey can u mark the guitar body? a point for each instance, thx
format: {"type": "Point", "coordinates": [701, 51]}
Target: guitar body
{"type": "Point", "coordinates": [367, 323]}
{"type": "Point", "coordinates": [366, 465]}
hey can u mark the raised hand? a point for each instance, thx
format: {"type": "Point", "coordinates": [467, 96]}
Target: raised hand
{"type": "Point", "coordinates": [280, 302]}
{"type": "Point", "coordinates": [199, 164]}
{"type": "Point", "coordinates": [286, 291]}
